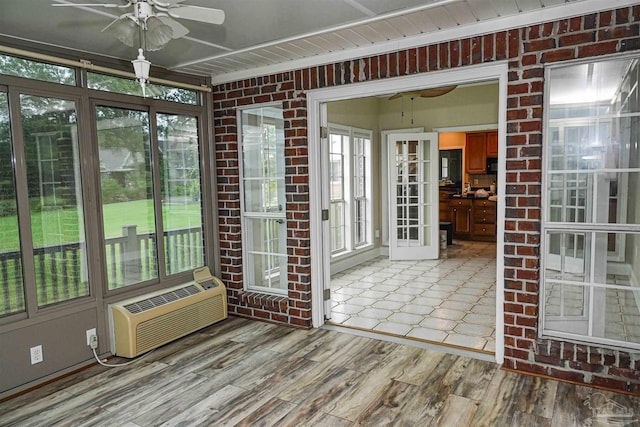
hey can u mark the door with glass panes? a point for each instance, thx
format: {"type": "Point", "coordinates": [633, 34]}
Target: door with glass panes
{"type": "Point", "coordinates": [413, 193]}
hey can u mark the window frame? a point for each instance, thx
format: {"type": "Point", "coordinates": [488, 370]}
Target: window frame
{"type": "Point", "coordinates": [163, 279]}
{"type": "Point", "coordinates": [349, 178]}
{"type": "Point", "coordinates": [89, 175]}
{"type": "Point", "coordinates": [279, 217]}
{"type": "Point", "coordinates": [592, 230]}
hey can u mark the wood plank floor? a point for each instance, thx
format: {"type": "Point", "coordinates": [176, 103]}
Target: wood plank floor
{"type": "Point", "coordinates": [242, 372]}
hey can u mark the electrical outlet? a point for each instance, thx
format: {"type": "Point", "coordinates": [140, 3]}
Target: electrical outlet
{"type": "Point", "coordinates": [377, 233]}
{"type": "Point", "coordinates": [36, 354]}
{"type": "Point", "coordinates": [475, 181]}
{"type": "Point", "coordinates": [90, 332]}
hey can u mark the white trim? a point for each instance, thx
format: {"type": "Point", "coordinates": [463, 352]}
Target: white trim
{"type": "Point", "coordinates": [472, 128]}
{"type": "Point", "coordinates": [351, 259]}
{"type": "Point", "coordinates": [547, 14]}
{"type": "Point", "coordinates": [428, 345]}
{"type": "Point", "coordinates": [257, 215]}
{"type": "Point", "coordinates": [316, 99]}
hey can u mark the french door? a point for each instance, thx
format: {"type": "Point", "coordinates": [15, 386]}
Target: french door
{"type": "Point", "coordinates": [413, 195]}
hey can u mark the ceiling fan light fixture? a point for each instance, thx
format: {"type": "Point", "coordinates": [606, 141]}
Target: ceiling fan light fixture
{"type": "Point", "coordinates": [157, 33]}
{"type": "Point", "coordinates": [124, 29]}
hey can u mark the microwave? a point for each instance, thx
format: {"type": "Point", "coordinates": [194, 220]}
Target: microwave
{"type": "Point", "coordinates": [492, 165]}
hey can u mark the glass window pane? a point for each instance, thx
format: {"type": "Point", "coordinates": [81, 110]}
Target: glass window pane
{"type": "Point", "coordinates": [263, 160]}
{"type": "Point", "coordinates": [127, 196]}
{"type": "Point", "coordinates": [593, 177]}
{"type": "Point", "coordinates": [181, 194]}
{"type": "Point", "coordinates": [29, 69]}
{"type": "Point", "coordinates": [567, 256]}
{"type": "Point", "coordinates": [55, 198]}
{"type": "Point", "coordinates": [11, 284]}
{"type": "Point", "coordinates": [267, 255]}
{"type": "Point", "coordinates": [116, 84]}
{"type": "Point", "coordinates": [264, 234]}
{"type": "Point", "coordinates": [622, 315]}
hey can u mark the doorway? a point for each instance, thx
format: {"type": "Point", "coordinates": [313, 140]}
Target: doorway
{"type": "Point", "coordinates": [321, 256]}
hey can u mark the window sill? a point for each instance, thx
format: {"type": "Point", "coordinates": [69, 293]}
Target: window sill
{"type": "Point", "coordinates": [272, 303]}
{"type": "Point", "coordinates": [353, 252]}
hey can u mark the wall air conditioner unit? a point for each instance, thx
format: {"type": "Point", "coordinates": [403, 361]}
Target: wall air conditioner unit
{"type": "Point", "coordinates": [140, 324]}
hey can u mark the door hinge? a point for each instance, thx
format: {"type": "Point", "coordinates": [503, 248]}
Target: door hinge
{"type": "Point", "coordinates": [326, 295]}
{"type": "Point", "coordinates": [324, 132]}
{"type": "Point", "coordinates": [325, 214]}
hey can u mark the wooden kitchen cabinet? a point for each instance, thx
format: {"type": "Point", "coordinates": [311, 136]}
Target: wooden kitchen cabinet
{"type": "Point", "coordinates": [479, 146]}
{"type": "Point", "coordinates": [484, 220]}
{"type": "Point", "coordinates": [476, 152]}
{"type": "Point", "coordinates": [492, 144]}
{"type": "Point", "coordinates": [461, 217]}
{"type": "Point", "coordinates": [473, 219]}
{"type": "Point", "coordinates": [445, 197]}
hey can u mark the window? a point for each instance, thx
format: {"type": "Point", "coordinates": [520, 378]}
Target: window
{"type": "Point", "coordinates": [128, 185]}
{"type": "Point", "coordinates": [179, 149]}
{"type": "Point", "coordinates": [350, 214]}
{"type": "Point", "coordinates": [109, 83]}
{"type": "Point", "coordinates": [591, 223]}
{"type": "Point", "coordinates": [11, 284]}
{"type": "Point", "coordinates": [13, 66]}
{"type": "Point", "coordinates": [338, 171]}
{"type": "Point", "coordinates": [264, 234]}
{"type": "Point", "coordinates": [58, 243]}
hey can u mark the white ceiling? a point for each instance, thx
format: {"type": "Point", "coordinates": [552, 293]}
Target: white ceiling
{"type": "Point", "coordinates": [261, 36]}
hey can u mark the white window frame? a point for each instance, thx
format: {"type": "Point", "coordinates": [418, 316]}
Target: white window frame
{"type": "Point", "coordinates": [270, 217]}
{"type": "Point", "coordinates": [349, 184]}
{"type": "Point", "coordinates": [594, 231]}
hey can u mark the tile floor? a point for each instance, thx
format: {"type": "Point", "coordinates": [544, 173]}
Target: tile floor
{"type": "Point", "coordinates": [622, 307]}
{"type": "Point", "coordinates": [450, 300]}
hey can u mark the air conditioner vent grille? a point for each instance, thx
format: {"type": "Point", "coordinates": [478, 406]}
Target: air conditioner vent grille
{"type": "Point", "coordinates": [167, 327]}
{"type": "Point", "coordinates": [162, 299]}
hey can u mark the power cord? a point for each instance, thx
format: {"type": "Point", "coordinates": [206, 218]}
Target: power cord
{"type": "Point", "coordinates": [94, 344]}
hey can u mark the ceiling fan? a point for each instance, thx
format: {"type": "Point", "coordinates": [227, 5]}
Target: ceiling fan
{"type": "Point", "coordinates": [153, 21]}
{"type": "Point", "coordinates": [424, 93]}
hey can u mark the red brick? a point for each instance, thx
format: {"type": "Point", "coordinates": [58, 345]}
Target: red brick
{"type": "Point", "coordinates": [603, 48]}
{"type": "Point", "coordinates": [535, 369]}
{"type": "Point", "coordinates": [517, 353]}
{"type": "Point", "coordinates": [540, 44]}
{"type": "Point", "coordinates": [608, 382]}
{"type": "Point", "coordinates": [422, 59]}
{"type": "Point", "coordinates": [566, 375]}
{"type": "Point", "coordinates": [558, 55]}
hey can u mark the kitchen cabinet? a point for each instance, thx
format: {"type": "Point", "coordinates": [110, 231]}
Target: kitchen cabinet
{"type": "Point", "coordinates": [445, 197]}
{"type": "Point", "coordinates": [473, 219]}
{"type": "Point", "coordinates": [484, 220]}
{"type": "Point", "coordinates": [479, 146]}
{"type": "Point", "coordinates": [492, 144]}
{"type": "Point", "coordinates": [461, 217]}
{"type": "Point", "coordinates": [476, 152]}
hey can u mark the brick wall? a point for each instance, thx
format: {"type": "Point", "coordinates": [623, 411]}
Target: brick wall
{"type": "Point", "coordinates": [295, 309]}
{"type": "Point", "coordinates": [526, 50]}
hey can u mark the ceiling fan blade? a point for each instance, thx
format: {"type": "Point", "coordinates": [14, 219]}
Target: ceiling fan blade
{"type": "Point", "coordinates": [197, 13]}
{"type": "Point", "coordinates": [436, 91]}
{"type": "Point", "coordinates": [179, 30]}
{"type": "Point", "coordinates": [410, 94]}
{"type": "Point", "coordinates": [89, 5]}
{"type": "Point", "coordinates": [165, 3]}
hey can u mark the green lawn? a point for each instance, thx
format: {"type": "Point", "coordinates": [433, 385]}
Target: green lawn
{"type": "Point", "coordinates": [61, 226]}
